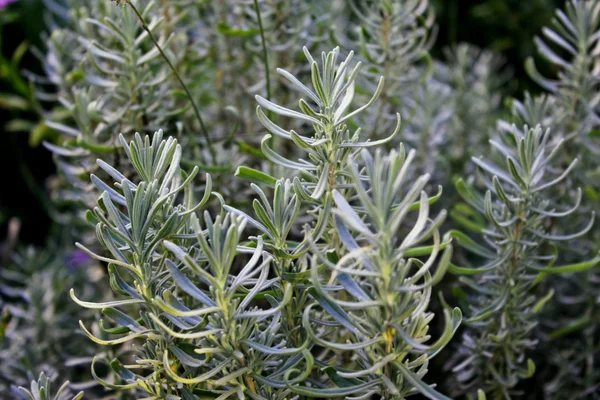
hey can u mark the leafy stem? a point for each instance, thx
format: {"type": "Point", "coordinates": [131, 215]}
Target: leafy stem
{"type": "Point", "coordinates": [213, 154]}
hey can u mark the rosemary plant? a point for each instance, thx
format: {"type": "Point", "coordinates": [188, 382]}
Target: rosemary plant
{"type": "Point", "coordinates": [394, 38]}
{"type": "Point", "coordinates": [310, 271]}
{"type": "Point", "coordinates": [221, 314]}
{"type": "Point", "coordinates": [39, 332]}
{"type": "Point", "coordinates": [574, 33]}
{"type": "Point", "coordinates": [430, 129]}
{"type": "Point", "coordinates": [361, 271]}
{"type": "Point", "coordinates": [40, 389]}
{"type": "Point", "coordinates": [185, 68]}
{"type": "Point", "coordinates": [110, 75]}
{"type": "Point", "coordinates": [476, 77]}
{"type": "Point", "coordinates": [518, 250]}
{"type": "Point", "coordinates": [570, 45]}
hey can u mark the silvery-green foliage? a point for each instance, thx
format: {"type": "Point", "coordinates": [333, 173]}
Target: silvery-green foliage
{"type": "Point", "coordinates": [570, 332]}
{"type": "Point", "coordinates": [39, 319]}
{"type": "Point", "coordinates": [532, 111]}
{"type": "Point", "coordinates": [132, 222]}
{"type": "Point", "coordinates": [390, 286]}
{"type": "Point", "coordinates": [572, 45]}
{"type": "Point", "coordinates": [104, 76]}
{"type": "Point", "coordinates": [368, 293]}
{"type": "Point", "coordinates": [320, 287]}
{"type": "Point", "coordinates": [105, 52]}
{"type": "Point", "coordinates": [517, 249]}
{"type": "Point", "coordinates": [41, 390]}
{"type": "Point", "coordinates": [273, 315]}
{"type": "Point", "coordinates": [394, 38]}
{"type": "Point", "coordinates": [476, 77]}
{"type": "Point", "coordinates": [429, 129]}
{"type": "Point", "coordinates": [329, 141]}
{"type": "Point", "coordinates": [192, 294]}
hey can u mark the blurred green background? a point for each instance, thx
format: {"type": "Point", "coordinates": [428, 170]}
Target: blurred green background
{"type": "Point", "coordinates": [505, 26]}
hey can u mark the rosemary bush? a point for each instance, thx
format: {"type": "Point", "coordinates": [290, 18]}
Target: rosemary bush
{"type": "Point", "coordinates": [570, 45]}
{"type": "Point", "coordinates": [476, 77]}
{"type": "Point", "coordinates": [284, 237]}
{"type": "Point", "coordinates": [38, 331]}
{"type": "Point", "coordinates": [230, 314]}
{"type": "Point", "coordinates": [394, 38]}
{"type": "Point", "coordinates": [518, 254]}
{"type": "Point", "coordinates": [40, 389]}
{"type": "Point", "coordinates": [142, 67]}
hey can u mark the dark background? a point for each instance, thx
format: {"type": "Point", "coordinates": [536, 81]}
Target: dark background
{"type": "Point", "coordinates": [505, 26]}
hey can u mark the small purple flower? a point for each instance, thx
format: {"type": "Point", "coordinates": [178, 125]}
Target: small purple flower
{"type": "Point", "coordinates": [4, 3]}
{"type": "Point", "coordinates": [77, 258]}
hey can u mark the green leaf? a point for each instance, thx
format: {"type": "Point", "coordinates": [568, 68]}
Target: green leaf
{"type": "Point", "coordinates": [530, 369]}
{"type": "Point", "coordinates": [95, 147]}
{"type": "Point", "coordinates": [225, 29]}
{"type": "Point", "coordinates": [255, 176]}
{"type": "Point", "coordinates": [336, 312]}
{"type": "Point", "coordinates": [338, 380]}
{"type": "Point", "coordinates": [471, 245]}
{"type": "Point", "coordinates": [13, 102]}
{"type": "Point", "coordinates": [416, 381]}
{"type": "Point", "coordinates": [430, 201]}
{"type": "Point", "coordinates": [573, 326]}
{"type": "Point", "coordinates": [116, 303]}
{"type": "Point", "coordinates": [274, 350]}
{"type": "Point", "coordinates": [187, 286]}
{"type": "Point", "coordinates": [424, 250]}
{"type": "Point", "coordinates": [540, 304]}
{"type": "Point", "coordinates": [348, 214]}
{"type": "Point", "coordinates": [456, 270]}
{"type": "Point", "coordinates": [452, 320]}
{"type": "Point", "coordinates": [122, 372]}
{"type": "Point", "coordinates": [465, 216]}
{"type": "Point", "coordinates": [514, 172]}
{"type": "Point", "coordinates": [329, 393]}
{"type": "Point", "coordinates": [304, 276]}
{"type": "Point", "coordinates": [253, 151]}
{"type": "Point", "coordinates": [122, 319]}
{"type": "Point", "coordinates": [571, 268]}
{"type": "Point", "coordinates": [19, 125]}
{"type": "Point", "coordinates": [119, 285]}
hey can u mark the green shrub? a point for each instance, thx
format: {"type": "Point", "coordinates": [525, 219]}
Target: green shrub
{"type": "Point", "coordinates": [283, 237]}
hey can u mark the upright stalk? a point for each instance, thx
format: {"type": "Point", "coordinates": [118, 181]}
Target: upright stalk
{"type": "Point", "coordinates": [264, 49]}
{"type": "Point", "coordinates": [213, 154]}
{"type": "Point", "coordinates": [267, 72]}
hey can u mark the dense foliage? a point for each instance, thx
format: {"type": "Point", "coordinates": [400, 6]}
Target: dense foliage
{"type": "Point", "coordinates": [277, 199]}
